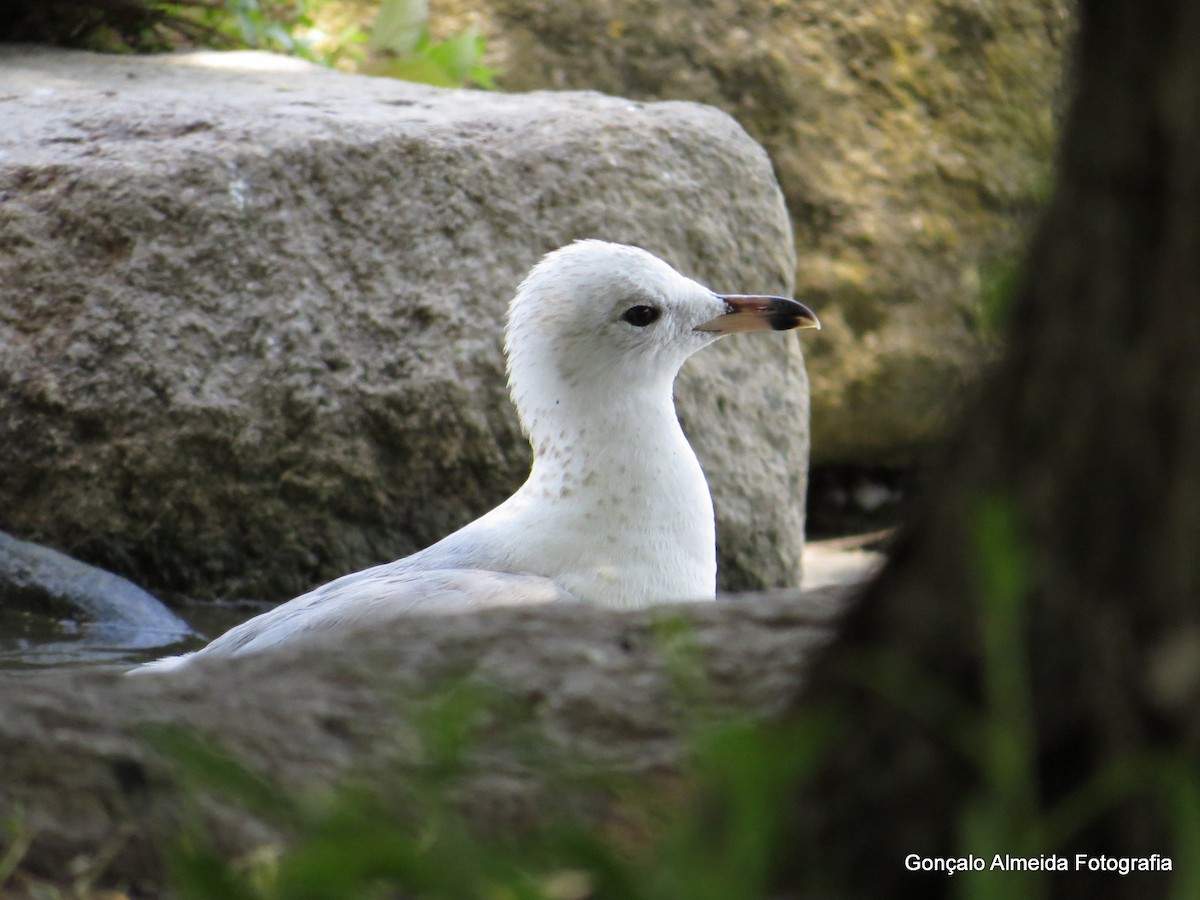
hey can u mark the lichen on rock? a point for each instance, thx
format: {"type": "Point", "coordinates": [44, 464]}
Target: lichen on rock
{"type": "Point", "coordinates": [913, 143]}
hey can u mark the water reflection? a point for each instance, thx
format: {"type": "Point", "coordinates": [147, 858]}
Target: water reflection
{"type": "Point", "coordinates": [31, 641]}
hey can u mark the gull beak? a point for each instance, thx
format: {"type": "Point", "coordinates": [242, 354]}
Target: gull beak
{"type": "Point", "coordinates": [753, 313]}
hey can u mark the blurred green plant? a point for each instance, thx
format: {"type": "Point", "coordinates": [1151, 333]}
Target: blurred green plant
{"type": "Point", "coordinates": [1006, 815]}
{"type": "Point", "coordinates": [724, 840]}
{"type": "Point", "coordinates": [147, 26]}
{"type": "Point", "coordinates": [401, 47]}
{"type": "Point", "coordinates": [397, 45]}
{"type": "Point", "coordinates": [398, 831]}
{"type": "Point", "coordinates": [77, 882]}
{"type": "Point", "coordinates": [997, 736]}
{"type": "Point", "coordinates": [717, 832]}
{"type": "Point", "coordinates": [16, 837]}
{"type": "Point", "coordinates": [731, 838]}
{"type": "Point", "coordinates": [264, 24]}
{"type": "Point", "coordinates": [1002, 816]}
{"type": "Point", "coordinates": [997, 285]}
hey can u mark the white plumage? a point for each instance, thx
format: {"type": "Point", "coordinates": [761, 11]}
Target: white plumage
{"type": "Point", "coordinates": [616, 510]}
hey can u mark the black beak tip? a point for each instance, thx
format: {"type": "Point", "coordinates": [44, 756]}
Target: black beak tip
{"type": "Point", "coordinates": [789, 315]}
{"type": "Point", "coordinates": [753, 312]}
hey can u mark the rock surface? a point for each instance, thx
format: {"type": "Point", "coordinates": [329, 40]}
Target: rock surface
{"type": "Point", "coordinates": [251, 322]}
{"type": "Point", "coordinates": [913, 142]}
{"type": "Point", "coordinates": [846, 563]}
{"type": "Point", "coordinates": [601, 689]}
{"type": "Point", "coordinates": [85, 611]}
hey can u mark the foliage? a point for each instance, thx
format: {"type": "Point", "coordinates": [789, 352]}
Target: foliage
{"type": "Point", "coordinates": [266, 24]}
{"type": "Point", "coordinates": [402, 48]}
{"type": "Point", "coordinates": [398, 45]}
{"type": "Point", "coordinates": [997, 282]}
{"type": "Point", "coordinates": [79, 880]}
{"type": "Point", "coordinates": [721, 835]}
{"type": "Point", "coordinates": [145, 26]}
{"type": "Point", "coordinates": [996, 735]}
{"type": "Point", "coordinates": [726, 842]}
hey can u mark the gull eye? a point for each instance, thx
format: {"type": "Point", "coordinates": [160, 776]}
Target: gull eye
{"type": "Point", "coordinates": [641, 316]}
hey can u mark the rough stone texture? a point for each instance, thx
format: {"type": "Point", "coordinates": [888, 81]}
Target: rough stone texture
{"type": "Point", "coordinates": [912, 140]}
{"type": "Point", "coordinates": [250, 324]}
{"type": "Point", "coordinates": [103, 609]}
{"type": "Point", "coordinates": [597, 688]}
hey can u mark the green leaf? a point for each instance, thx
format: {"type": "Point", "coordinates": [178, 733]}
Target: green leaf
{"type": "Point", "coordinates": [420, 69]}
{"type": "Point", "coordinates": [204, 767]}
{"type": "Point", "coordinates": [997, 286]}
{"type": "Point", "coordinates": [458, 55]}
{"type": "Point", "coordinates": [484, 76]}
{"type": "Point", "coordinates": [203, 875]}
{"type": "Point", "coordinates": [399, 26]}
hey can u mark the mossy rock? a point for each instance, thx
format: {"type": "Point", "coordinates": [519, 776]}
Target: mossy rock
{"type": "Point", "coordinates": [913, 144]}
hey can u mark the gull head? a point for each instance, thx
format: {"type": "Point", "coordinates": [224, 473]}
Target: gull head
{"type": "Point", "coordinates": [596, 322]}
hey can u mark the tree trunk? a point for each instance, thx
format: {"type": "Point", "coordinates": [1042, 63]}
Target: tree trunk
{"type": "Point", "coordinates": [1025, 677]}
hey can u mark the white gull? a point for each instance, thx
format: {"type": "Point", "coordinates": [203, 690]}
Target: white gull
{"type": "Point", "coordinates": [616, 510]}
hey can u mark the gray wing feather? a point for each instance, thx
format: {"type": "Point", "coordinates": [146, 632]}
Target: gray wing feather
{"type": "Point", "coordinates": [378, 597]}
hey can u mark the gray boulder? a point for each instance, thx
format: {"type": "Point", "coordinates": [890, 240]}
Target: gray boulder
{"type": "Point", "coordinates": [56, 608]}
{"type": "Point", "coordinates": [565, 688]}
{"type": "Point", "coordinates": [250, 335]}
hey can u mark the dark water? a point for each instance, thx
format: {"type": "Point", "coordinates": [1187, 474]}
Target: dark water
{"type": "Point", "coordinates": [31, 642]}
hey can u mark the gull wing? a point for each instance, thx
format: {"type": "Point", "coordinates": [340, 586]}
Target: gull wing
{"type": "Point", "coordinates": [378, 598]}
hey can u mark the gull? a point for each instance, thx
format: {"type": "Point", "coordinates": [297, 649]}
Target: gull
{"type": "Point", "coordinates": [616, 510]}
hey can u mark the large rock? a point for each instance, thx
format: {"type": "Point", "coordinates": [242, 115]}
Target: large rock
{"type": "Point", "coordinates": [73, 611]}
{"type": "Point", "coordinates": [580, 689]}
{"type": "Point", "coordinates": [250, 336]}
{"type": "Point", "coordinates": [913, 142]}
